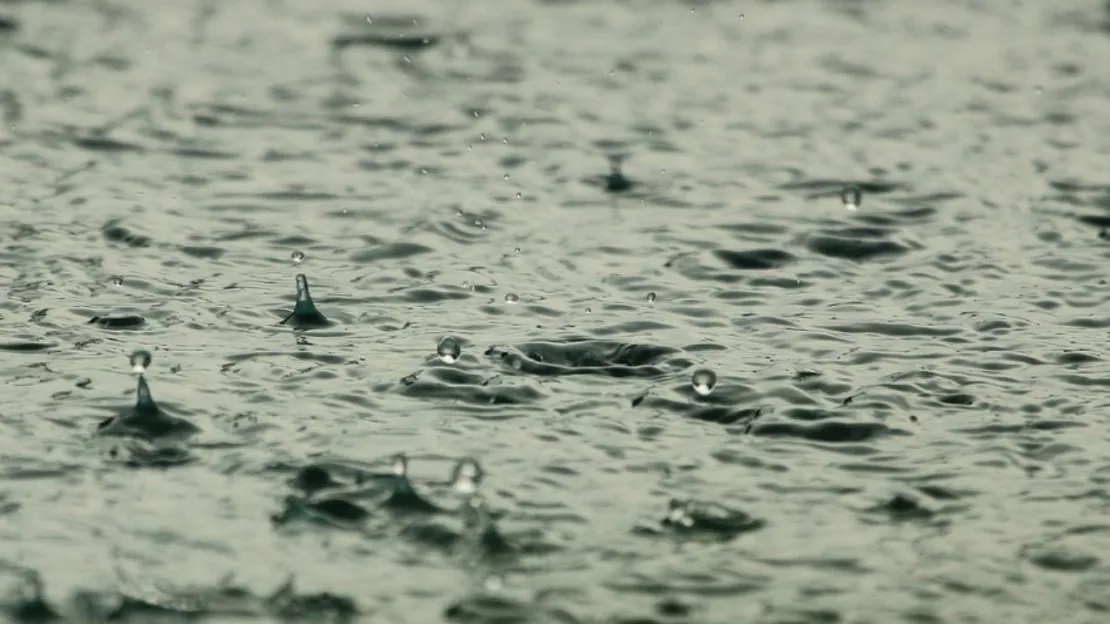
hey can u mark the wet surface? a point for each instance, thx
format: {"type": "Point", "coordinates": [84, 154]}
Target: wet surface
{"type": "Point", "coordinates": [778, 311]}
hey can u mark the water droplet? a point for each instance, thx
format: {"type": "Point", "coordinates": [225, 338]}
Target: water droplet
{"type": "Point", "coordinates": [519, 195]}
{"type": "Point", "coordinates": [449, 350]}
{"type": "Point", "coordinates": [852, 197]}
{"type": "Point", "coordinates": [516, 249]}
{"type": "Point", "coordinates": [369, 19]}
{"type": "Point", "coordinates": [741, 16]}
{"type": "Point", "coordinates": [399, 465]}
{"type": "Point", "coordinates": [297, 257]}
{"type": "Point", "coordinates": [140, 361]}
{"type": "Point", "coordinates": [704, 380]}
{"type": "Point", "coordinates": [512, 299]}
{"type": "Point", "coordinates": [117, 280]}
{"type": "Point", "coordinates": [651, 297]}
{"type": "Point", "coordinates": [589, 310]}
{"type": "Point", "coordinates": [466, 477]}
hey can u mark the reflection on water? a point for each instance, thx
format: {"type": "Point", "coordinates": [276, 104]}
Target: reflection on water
{"type": "Point", "coordinates": [633, 312]}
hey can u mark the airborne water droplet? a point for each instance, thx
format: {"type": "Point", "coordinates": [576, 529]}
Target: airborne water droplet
{"type": "Point", "coordinates": [400, 465]}
{"type": "Point", "coordinates": [704, 380]}
{"type": "Point", "coordinates": [852, 197]}
{"type": "Point", "coordinates": [297, 257]}
{"type": "Point", "coordinates": [117, 280]}
{"type": "Point", "coordinates": [512, 299]}
{"type": "Point", "coordinates": [651, 297]}
{"type": "Point", "coordinates": [466, 477]}
{"type": "Point", "coordinates": [449, 350]}
{"type": "Point", "coordinates": [140, 361]}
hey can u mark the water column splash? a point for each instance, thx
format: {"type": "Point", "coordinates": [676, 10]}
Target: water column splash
{"type": "Point", "coordinates": [140, 361]}
{"type": "Point", "coordinates": [305, 314]}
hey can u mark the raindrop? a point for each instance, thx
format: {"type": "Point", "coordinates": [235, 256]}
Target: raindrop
{"type": "Point", "coordinates": [507, 176]}
{"type": "Point", "coordinates": [140, 361]}
{"type": "Point", "coordinates": [516, 249]}
{"type": "Point", "coordinates": [519, 195]}
{"type": "Point", "coordinates": [703, 381]}
{"type": "Point", "coordinates": [117, 280]}
{"type": "Point", "coordinates": [651, 297]}
{"type": "Point", "coordinates": [369, 19]}
{"type": "Point", "coordinates": [512, 299]}
{"type": "Point", "coordinates": [400, 465]}
{"type": "Point", "coordinates": [589, 310]}
{"type": "Point", "coordinates": [449, 350]}
{"type": "Point", "coordinates": [466, 477]}
{"type": "Point", "coordinates": [852, 197]}
{"type": "Point", "coordinates": [297, 257]}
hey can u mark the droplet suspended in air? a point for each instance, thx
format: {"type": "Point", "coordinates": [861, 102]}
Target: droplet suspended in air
{"type": "Point", "coordinates": [512, 299]}
{"type": "Point", "coordinates": [466, 477]}
{"type": "Point", "coordinates": [400, 465]}
{"type": "Point", "coordinates": [651, 297]}
{"type": "Point", "coordinates": [117, 280]}
{"type": "Point", "coordinates": [297, 257]}
{"type": "Point", "coordinates": [140, 361]}
{"type": "Point", "coordinates": [703, 381]}
{"type": "Point", "coordinates": [449, 350]}
{"type": "Point", "coordinates": [852, 197]}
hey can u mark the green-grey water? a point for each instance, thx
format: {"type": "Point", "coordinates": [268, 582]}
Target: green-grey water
{"type": "Point", "coordinates": [900, 407]}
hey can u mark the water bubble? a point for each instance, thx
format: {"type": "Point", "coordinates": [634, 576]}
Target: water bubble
{"type": "Point", "coordinates": [140, 361]}
{"type": "Point", "coordinates": [466, 477]}
{"type": "Point", "coordinates": [651, 297]}
{"type": "Point", "coordinates": [297, 257]}
{"type": "Point", "coordinates": [449, 350]}
{"type": "Point", "coordinates": [512, 299]}
{"type": "Point", "coordinates": [703, 381]}
{"type": "Point", "coordinates": [117, 280]}
{"type": "Point", "coordinates": [400, 465]}
{"type": "Point", "coordinates": [852, 197]}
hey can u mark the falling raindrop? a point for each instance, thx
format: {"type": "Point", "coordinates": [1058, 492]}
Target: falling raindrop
{"type": "Point", "coordinates": [140, 361]}
{"type": "Point", "coordinates": [704, 380]}
{"type": "Point", "coordinates": [512, 299]}
{"type": "Point", "coordinates": [400, 465]}
{"type": "Point", "coordinates": [852, 197]}
{"type": "Point", "coordinates": [449, 350]}
{"type": "Point", "coordinates": [466, 477]}
{"type": "Point", "coordinates": [297, 257]}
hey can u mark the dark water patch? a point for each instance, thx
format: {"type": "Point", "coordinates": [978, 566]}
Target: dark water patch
{"type": "Point", "coordinates": [401, 32]}
{"type": "Point", "coordinates": [26, 347]}
{"type": "Point", "coordinates": [860, 244]}
{"type": "Point", "coordinates": [829, 431]}
{"type": "Point", "coordinates": [118, 321]}
{"type": "Point", "coordinates": [820, 188]}
{"type": "Point", "coordinates": [757, 259]}
{"type": "Point", "coordinates": [115, 232]}
{"type": "Point", "coordinates": [582, 357]}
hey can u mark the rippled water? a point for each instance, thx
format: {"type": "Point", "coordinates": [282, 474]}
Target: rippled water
{"type": "Point", "coordinates": [904, 404]}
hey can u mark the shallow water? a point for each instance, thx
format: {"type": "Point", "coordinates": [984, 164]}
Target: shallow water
{"type": "Point", "coordinates": [910, 399]}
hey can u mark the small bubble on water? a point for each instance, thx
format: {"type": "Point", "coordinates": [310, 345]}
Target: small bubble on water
{"type": "Point", "coordinates": [297, 257]}
{"type": "Point", "coordinates": [704, 380]}
{"type": "Point", "coordinates": [852, 197]}
{"type": "Point", "coordinates": [449, 350]}
{"type": "Point", "coordinates": [117, 280]}
{"type": "Point", "coordinates": [140, 361]}
{"type": "Point", "coordinates": [512, 299]}
{"type": "Point", "coordinates": [651, 297]}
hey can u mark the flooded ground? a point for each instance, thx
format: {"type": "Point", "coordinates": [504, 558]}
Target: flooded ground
{"type": "Point", "coordinates": [789, 312]}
